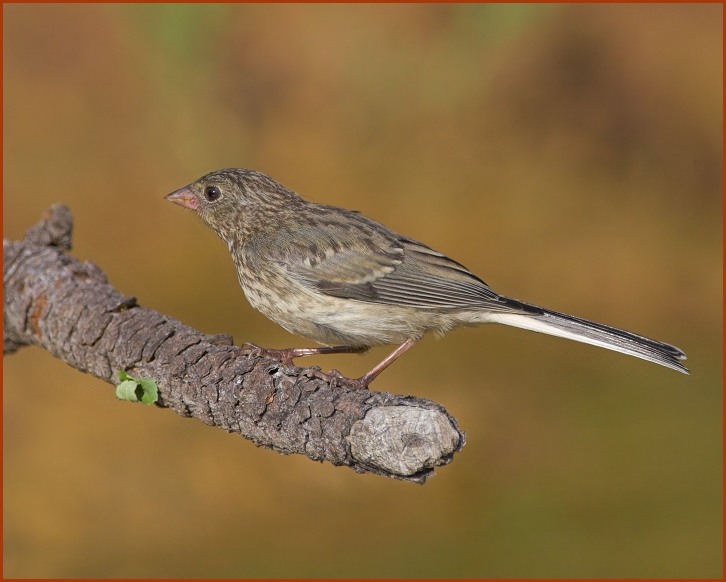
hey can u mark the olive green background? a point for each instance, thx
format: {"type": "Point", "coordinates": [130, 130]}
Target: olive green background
{"type": "Point", "coordinates": [569, 155]}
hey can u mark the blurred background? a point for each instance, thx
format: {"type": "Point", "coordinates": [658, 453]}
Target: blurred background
{"type": "Point", "coordinates": [571, 155]}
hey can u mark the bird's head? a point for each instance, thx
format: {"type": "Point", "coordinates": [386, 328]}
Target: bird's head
{"type": "Point", "coordinates": [228, 199]}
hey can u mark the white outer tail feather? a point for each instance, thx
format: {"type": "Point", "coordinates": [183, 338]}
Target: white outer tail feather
{"type": "Point", "coordinates": [594, 335]}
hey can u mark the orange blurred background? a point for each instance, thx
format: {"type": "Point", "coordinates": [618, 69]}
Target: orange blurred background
{"type": "Point", "coordinates": [571, 155]}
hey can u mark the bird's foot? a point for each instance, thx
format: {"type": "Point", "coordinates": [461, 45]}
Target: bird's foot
{"type": "Point", "coordinates": [334, 378]}
{"type": "Point", "coordinates": [254, 351]}
{"type": "Point", "coordinates": [337, 380]}
{"type": "Point", "coordinates": [288, 354]}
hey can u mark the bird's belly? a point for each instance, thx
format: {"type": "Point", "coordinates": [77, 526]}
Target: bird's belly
{"type": "Point", "coordinates": [336, 321]}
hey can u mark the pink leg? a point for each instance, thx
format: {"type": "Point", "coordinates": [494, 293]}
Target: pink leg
{"type": "Point", "coordinates": [287, 354]}
{"type": "Point", "coordinates": [363, 381]}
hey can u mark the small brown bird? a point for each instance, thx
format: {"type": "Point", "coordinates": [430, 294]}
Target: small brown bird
{"type": "Point", "coordinates": [349, 283]}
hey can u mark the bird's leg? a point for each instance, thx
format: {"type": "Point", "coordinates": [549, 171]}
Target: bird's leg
{"type": "Point", "coordinates": [288, 354]}
{"type": "Point", "coordinates": [334, 377]}
{"type": "Point", "coordinates": [363, 381]}
{"type": "Point", "coordinates": [387, 361]}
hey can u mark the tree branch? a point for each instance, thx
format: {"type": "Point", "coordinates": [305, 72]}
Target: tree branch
{"type": "Point", "coordinates": [68, 308]}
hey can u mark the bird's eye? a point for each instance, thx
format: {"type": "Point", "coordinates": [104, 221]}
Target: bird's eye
{"type": "Point", "coordinates": [212, 193]}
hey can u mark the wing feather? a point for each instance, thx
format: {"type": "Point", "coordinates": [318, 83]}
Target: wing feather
{"type": "Point", "coordinates": [349, 256]}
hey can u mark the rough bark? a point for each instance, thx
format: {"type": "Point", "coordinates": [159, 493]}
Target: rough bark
{"type": "Point", "coordinates": [68, 308]}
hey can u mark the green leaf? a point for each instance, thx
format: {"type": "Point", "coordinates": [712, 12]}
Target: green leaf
{"type": "Point", "coordinates": [136, 390]}
{"type": "Point", "coordinates": [127, 390]}
{"type": "Point", "coordinates": [150, 393]}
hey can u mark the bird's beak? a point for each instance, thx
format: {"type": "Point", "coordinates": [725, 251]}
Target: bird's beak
{"type": "Point", "coordinates": [184, 197]}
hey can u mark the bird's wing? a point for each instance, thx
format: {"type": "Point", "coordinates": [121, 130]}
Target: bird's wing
{"type": "Point", "coordinates": [358, 258]}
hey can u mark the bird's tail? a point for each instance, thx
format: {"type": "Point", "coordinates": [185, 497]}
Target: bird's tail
{"type": "Point", "coordinates": [567, 326]}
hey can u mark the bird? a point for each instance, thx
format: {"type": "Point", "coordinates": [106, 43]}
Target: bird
{"type": "Point", "coordinates": [350, 283]}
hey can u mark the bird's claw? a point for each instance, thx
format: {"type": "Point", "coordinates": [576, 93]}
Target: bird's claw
{"type": "Point", "coordinates": [336, 380]}
{"type": "Point", "coordinates": [251, 350]}
{"type": "Point", "coordinates": [254, 351]}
